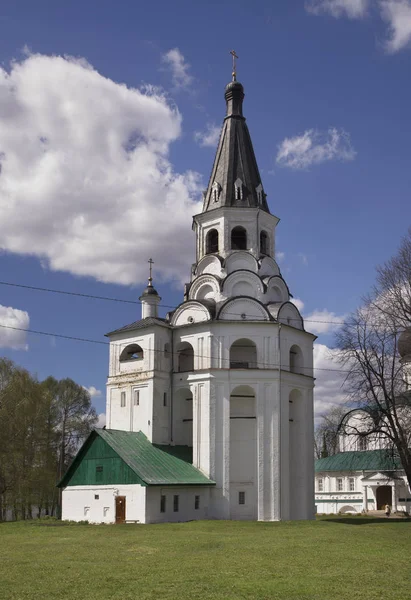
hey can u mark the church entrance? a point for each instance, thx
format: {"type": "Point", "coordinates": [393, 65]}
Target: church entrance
{"type": "Point", "coordinates": [384, 496]}
{"type": "Point", "coordinates": [120, 509]}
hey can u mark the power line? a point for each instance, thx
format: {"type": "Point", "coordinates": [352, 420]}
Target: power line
{"type": "Point", "coordinates": [86, 340]}
{"type": "Point", "coordinates": [138, 302]}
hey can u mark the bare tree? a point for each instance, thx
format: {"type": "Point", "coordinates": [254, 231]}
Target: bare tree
{"type": "Point", "coordinates": [368, 349]}
{"type": "Point", "coordinates": [327, 432]}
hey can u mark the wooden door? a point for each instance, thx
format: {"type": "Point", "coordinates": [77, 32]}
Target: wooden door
{"type": "Point", "coordinates": [384, 496]}
{"type": "Point", "coordinates": [120, 509]}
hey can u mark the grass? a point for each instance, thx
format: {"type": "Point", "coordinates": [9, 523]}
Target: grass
{"type": "Point", "coordinates": [341, 558]}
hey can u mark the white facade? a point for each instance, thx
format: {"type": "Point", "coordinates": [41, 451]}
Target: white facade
{"type": "Point", "coordinates": [97, 503]}
{"type": "Point", "coordinates": [363, 489]}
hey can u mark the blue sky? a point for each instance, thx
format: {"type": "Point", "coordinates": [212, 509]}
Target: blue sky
{"type": "Point", "coordinates": [108, 115]}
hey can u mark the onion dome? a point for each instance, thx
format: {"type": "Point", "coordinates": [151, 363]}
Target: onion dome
{"type": "Point", "coordinates": [404, 343]}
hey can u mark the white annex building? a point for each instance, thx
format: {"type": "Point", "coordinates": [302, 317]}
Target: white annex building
{"type": "Point", "coordinates": [366, 475]}
{"type": "Point", "coordinates": [209, 410]}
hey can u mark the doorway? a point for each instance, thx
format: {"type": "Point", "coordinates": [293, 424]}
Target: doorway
{"type": "Point", "coordinates": [384, 496]}
{"type": "Point", "coordinates": [120, 509]}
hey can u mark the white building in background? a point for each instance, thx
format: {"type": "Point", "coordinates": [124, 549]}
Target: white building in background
{"type": "Point", "coordinates": [226, 379]}
{"type": "Point", "coordinates": [365, 475]}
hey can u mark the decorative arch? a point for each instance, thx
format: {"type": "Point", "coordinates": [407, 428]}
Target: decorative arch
{"type": "Point", "coordinates": [241, 261]}
{"type": "Point", "coordinates": [264, 243]}
{"type": "Point", "coordinates": [238, 238]}
{"type": "Point", "coordinates": [296, 359]}
{"type": "Point", "coordinates": [192, 311]}
{"type": "Point", "coordinates": [131, 353]}
{"type": "Point", "coordinates": [347, 509]}
{"type": "Point", "coordinates": [185, 357]}
{"type": "Point", "coordinates": [289, 314]}
{"type": "Point", "coordinates": [243, 309]}
{"type": "Point", "coordinates": [243, 283]}
{"type": "Point", "coordinates": [212, 241]}
{"type": "Point", "coordinates": [209, 264]}
{"type": "Point", "coordinates": [243, 354]}
{"type": "Point", "coordinates": [268, 267]}
{"type": "Point", "coordinates": [205, 287]}
{"type": "Point", "coordinates": [277, 289]}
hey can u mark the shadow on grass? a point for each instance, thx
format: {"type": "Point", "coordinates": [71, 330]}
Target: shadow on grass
{"type": "Point", "coordinates": [367, 520]}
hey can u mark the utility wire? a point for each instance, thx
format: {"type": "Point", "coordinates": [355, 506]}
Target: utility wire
{"type": "Point", "coordinates": [138, 302]}
{"type": "Point", "coordinates": [86, 340]}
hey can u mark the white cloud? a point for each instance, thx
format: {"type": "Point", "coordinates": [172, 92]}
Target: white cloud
{"type": "Point", "coordinates": [353, 9]}
{"type": "Point", "coordinates": [304, 258]}
{"type": "Point", "coordinates": [94, 392]}
{"type": "Point", "coordinates": [397, 13]}
{"type": "Point", "coordinates": [13, 338]}
{"type": "Point", "coordinates": [298, 303]}
{"type": "Point", "coordinates": [314, 147]}
{"type": "Point", "coordinates": [101, 420]}
{"type": "Point", "coordinates": [328, 391]}
{"type": "Point", "coordinates": [209, 137]}
{"type": "Point", "coordinates": [85, 182]}
{"type": "Point", "coordinates": [280, 256]}
{"type": "Point", "coordinates": [322, 321]}
{"type": "Point", "coordinates": [179, 68]}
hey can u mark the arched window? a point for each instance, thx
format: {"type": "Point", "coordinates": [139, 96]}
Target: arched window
{"type": "Point", "coordinates": [263, 242]}
{"type": "Point", "coordinates": [362, 442]}
{"type": "Point", "coordinates": [185, 356]}
{"type": "Point", "coordinates": [296, 360]}
{"type": "Point", "coordinates": [212, 241]}
{"type": "Point", "coordinates": [132, 352]}
{"type": "Point", "coordinates": [239, 238]}
{"type": "Point", "coordinates": [243, 355]}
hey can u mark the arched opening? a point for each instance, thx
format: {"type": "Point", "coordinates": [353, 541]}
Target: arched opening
{"type": "Point", "coordinates": [362, 442]}
{"type": "Point", "coordinates": [263, 243]}
{"type": "Point", "coordinates": [132, 352]}
{"type": "Point", "coordinates": [238, 238]}
{"type": "Point", "coordinates": [296, 360]}
{"type": "Point", "coordinates": [243, 453]}
{"type": "Point", "coordinates": [384, 496]}
{"type": "Point", "coordinates": [212, 241]}
{"type": "Point", "coordinates": [243, 355]}
{"type": "Point", "coordinates": [347, 510]}
{"type": "Point", "coordinates": [183, 418]}
{"type": "Point", "coordinates": [185, 357]}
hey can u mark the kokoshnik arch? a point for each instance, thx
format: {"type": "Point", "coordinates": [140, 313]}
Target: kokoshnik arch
{"type": "Point", "coordinates": [210, 409]}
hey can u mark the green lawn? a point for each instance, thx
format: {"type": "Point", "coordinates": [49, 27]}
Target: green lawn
{"type": "Point", "coordinates": [324, 559]}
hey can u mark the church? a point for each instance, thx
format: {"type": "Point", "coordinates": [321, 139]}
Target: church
{"type": "Point", "coordinates": [209, 410]}
{"type": "Point", "coordinates": [365, 475]}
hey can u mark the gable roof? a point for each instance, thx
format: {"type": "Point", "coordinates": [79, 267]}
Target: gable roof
{"type": "Point", "coordinates": [366, 460]}
{"type": "Point", "coordinates": [141, 324]}
{"type": "Point", "coordinates": [153, 464]}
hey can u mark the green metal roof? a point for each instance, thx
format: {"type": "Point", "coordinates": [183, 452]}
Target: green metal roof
{"type": "Point", "coordinates": [367, 460]}
{"type": "Point", "coordinates": [153, 464]}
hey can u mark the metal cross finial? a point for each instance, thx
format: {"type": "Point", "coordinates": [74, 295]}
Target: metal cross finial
{"type": "Point", "coordinates": [234, 55]}
{"type": "Point", "coordinates": [151, 263]}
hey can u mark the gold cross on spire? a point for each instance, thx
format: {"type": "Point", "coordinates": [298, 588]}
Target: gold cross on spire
{"type": "Point", "coordinates": [234, 73]}
{"type": "Point", "coordinates": [151, 263]}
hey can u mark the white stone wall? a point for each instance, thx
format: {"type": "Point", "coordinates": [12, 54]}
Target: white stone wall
{"type": "Point", "coordinates": [80, 503]}
{"type": "Point", "coordinates": [186, 504]}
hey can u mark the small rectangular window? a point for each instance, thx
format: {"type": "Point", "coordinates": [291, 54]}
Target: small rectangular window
{"type": "Point", "coordinates": [320, 485]}
{"type": "Point", "coordinates": [175, 503]}
{"type": "Point", "coordinates": [241, 497]}
{"type": "Point", "coordinates": [123, 399]}
{"type": "Point", "coordinates": [351, 484]}
{"type": "Point", "coordinates": [96, 497]}
{"type": "Point", "coordinates": [196, 502]}
{"type": "Point", "coordinates": [163, 504]}
{"type": "Point", "coordinates": [165, 399]}
{"type": "Point", "coordinates": [99, 469]}
{"type": "Point", "coordinates": [136, 397]}
{"type": "Point", "coordinates": [339, 485]}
